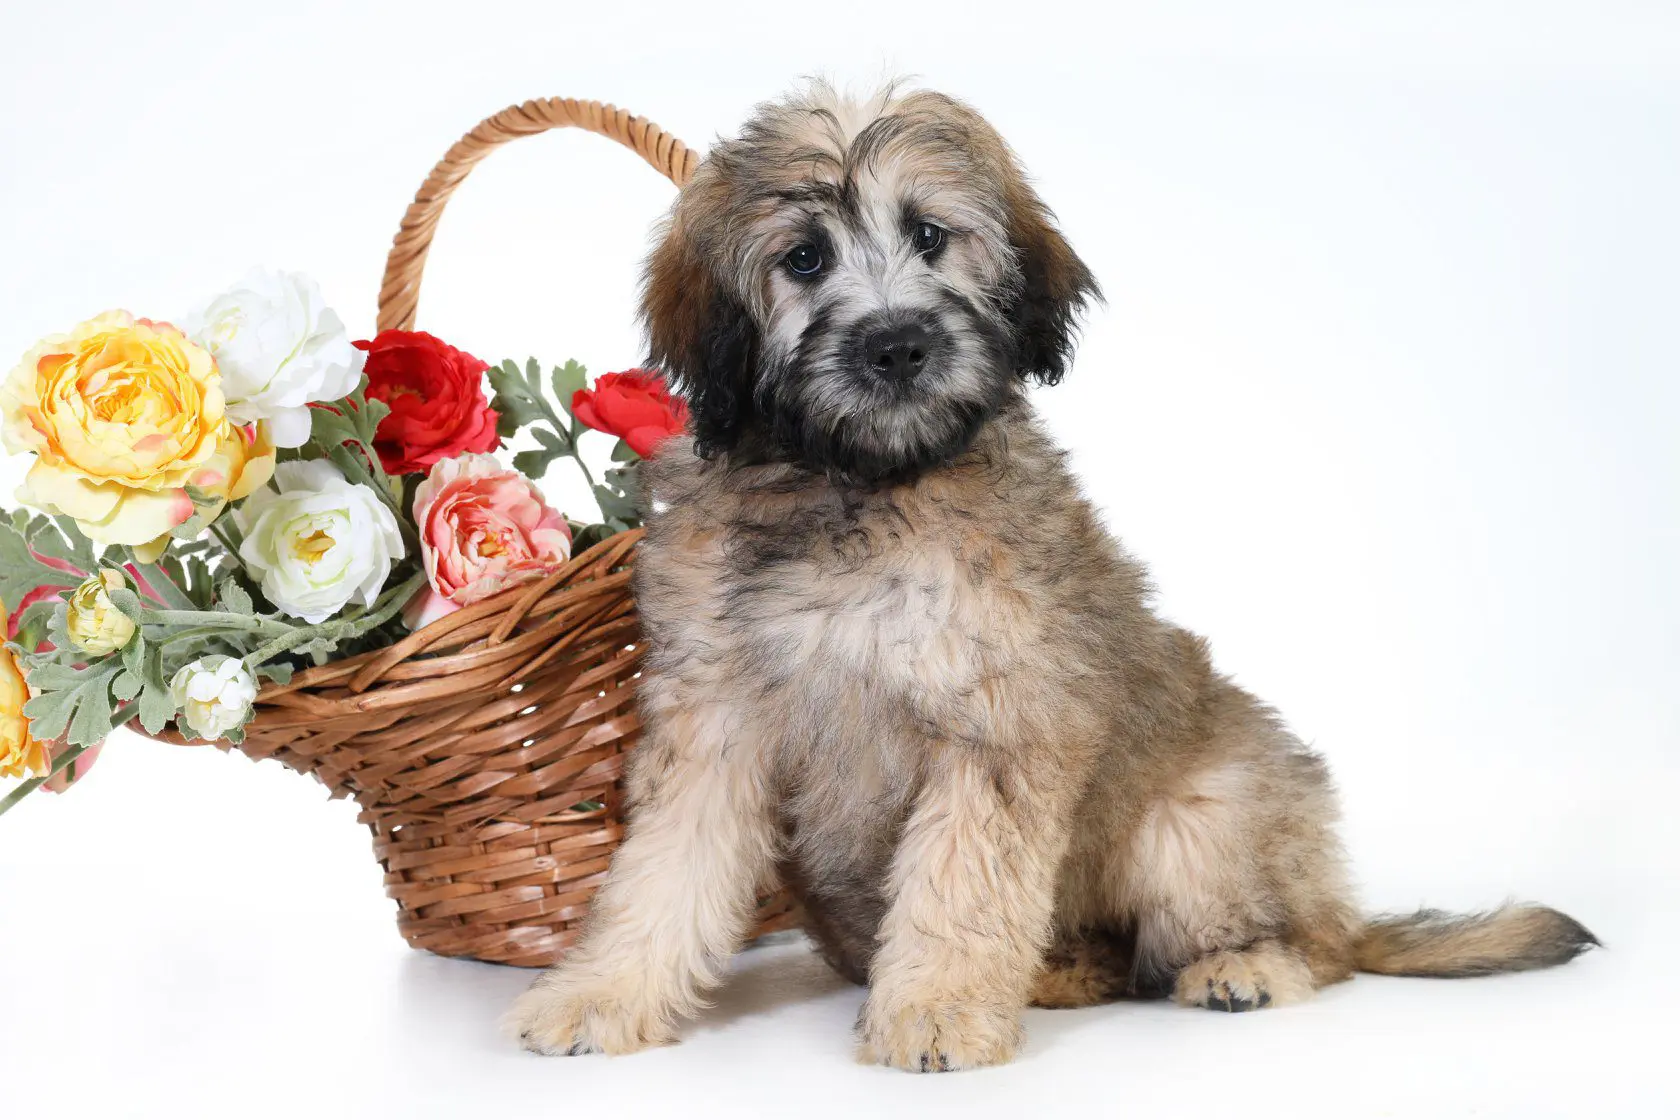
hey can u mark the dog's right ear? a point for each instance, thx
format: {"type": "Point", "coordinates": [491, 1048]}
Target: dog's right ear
{"type": "Point", "coordinates": [1055, 285]}
{"type": "Point", "coordinates": [701, 337]}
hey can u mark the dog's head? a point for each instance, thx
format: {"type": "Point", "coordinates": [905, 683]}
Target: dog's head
{"type": "Point", "coordinates": [857, 286]}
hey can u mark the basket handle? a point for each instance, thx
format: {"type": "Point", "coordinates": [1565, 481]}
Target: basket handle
{"type": "Point", "coordinates": [399, 292]}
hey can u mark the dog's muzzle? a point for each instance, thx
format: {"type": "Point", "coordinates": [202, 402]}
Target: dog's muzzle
{"type": "Point", "coordinates": [898, 351]}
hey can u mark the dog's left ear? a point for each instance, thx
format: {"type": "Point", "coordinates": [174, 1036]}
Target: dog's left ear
{"type": "Point", "coordinates": [1055, 286]}
{"type": "Point", "coordinates": [701, 336]}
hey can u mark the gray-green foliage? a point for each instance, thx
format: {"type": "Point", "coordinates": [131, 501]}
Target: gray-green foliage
{"type": "Point", "coordinates": [522, 403]}
{"type": "Point", "coordinates": [193, 602]}
{"type": "Point", "coordinates": [180, 616]}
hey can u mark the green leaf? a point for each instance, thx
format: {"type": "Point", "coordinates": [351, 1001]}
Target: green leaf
{"type": "Point", "coordinates": [533, 464]}
{"type": "Point", "coordinates": [567, 380]}
{"type": "Point", "coordinates": [134, 654]}
{"type": "Point", "coordinates": [62, 539]}
{"type": "Point", "coordinates": [345, 431]}
{"type": "Point", "coordinates": [22, 573]}
{"type": "Point", "coordinates": [627, 480]}
{"type": "Point", "coordinates": [32, 623]}
{"type": "Point", "coordinates": [589, 536]}
{"type": "Point", "coordinates": [157, 706]}
{"type": "Point", "coordinates": [623, 453]}
{"type": "Point", "coordinates": [172, 578]}
{"type": "Point", "coordinates": [58, 630]}
{"type": "Point", "coordinates": [51, 676]}
{"type": "Point", "coordinates": [615, 505]}
{"type": "Point", "coordinates": [233, 599]}
{"type": "Point", "coordinates": [128, 602]}
{"type": "Point", "coordinates": [518, 400]}
{"type": "Point", "coordinates": [127, 685]}
{"type": "Point", "coordinates": [280, 672]}
{"type": "Point", "coordinates": [81, 713]}
{"type": "Point", "coordinates": [508, 421]}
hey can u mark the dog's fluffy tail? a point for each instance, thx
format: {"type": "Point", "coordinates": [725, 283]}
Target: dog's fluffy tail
{"type": "Point", "coordinates": [1433, 943]}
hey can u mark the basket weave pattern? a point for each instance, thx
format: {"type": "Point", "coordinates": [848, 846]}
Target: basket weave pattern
{"type": "Point", "coordinates": [487, 749]}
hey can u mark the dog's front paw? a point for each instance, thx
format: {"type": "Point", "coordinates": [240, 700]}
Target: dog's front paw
{"type": "Point", "coordinates": [561, 1019]}
{"type": "Point", "coordinates": [936, 1036]}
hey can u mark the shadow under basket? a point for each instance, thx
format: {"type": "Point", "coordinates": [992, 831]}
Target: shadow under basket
{"type": "Point", "coordinates": [486, 751]}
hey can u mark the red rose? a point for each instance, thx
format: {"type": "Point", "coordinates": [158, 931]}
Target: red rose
{"type": "Point", "coordinates": [436, 395]}
{"type": "Point", "coordinates": [633, 405]}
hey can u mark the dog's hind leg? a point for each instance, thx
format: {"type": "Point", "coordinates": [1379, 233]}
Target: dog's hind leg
{"type": "Point", "coordinates": [1234, 874]}
{"type": "Point", "coordinates": [1082, 970]}
{"type": "Point", "coordinates": [1267, 973]}
{"type": "Point", "coordinates": [1086, 967]}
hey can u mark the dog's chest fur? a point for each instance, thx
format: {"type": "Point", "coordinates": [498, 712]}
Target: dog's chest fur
{"type": "Point", "coordinates": [856, 635]}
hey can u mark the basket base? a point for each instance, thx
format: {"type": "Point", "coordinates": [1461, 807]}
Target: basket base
{"type": "Point", "coordinates": [510, 893]}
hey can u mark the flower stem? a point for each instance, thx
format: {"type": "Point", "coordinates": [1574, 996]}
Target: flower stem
{"type": "Point", "coordinates": [164, 589]}
{"type": "Point", "coordinates": [351, 626]}
{"type": "Point", "coordinates": [228, 543]}
{"type": "Point", "coordinates": [216, 620]}
{"type": "Point", "coordinates": [584, 467]}
{"type": "Point", "coordinates": [24, 789]}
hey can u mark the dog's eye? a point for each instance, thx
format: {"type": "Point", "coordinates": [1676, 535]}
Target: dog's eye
{"type": "Point", "coordinates": [927, 237]}
{"type": "Point", "coordinates": [804, 260]}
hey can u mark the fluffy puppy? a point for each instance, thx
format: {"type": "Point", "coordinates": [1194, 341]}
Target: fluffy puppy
{"type": "Point", "coordinates": [895, 660]}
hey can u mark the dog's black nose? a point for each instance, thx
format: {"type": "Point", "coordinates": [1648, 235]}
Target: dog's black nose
{"type": "Point", "coordinates": [897, 353]}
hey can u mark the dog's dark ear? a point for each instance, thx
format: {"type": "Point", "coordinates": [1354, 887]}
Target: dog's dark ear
{"type": "Point", "coordinates": [701, 336]}
{"type": "Point", "coordinates": [1055, 287]}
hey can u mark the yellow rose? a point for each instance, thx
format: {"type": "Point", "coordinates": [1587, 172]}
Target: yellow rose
{"type": "Point", "coordinates": [96, 626]}
{"type": "Point", "coordinates": [123, 415]}
{"type": "Point", "coordinates": [19, 752]}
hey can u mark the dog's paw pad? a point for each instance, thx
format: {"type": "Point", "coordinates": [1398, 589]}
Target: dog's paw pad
{"type": "Point", "coordinates": [1221, 997]}
{"type": "Point", "coordinates": [1243, 981]}
{"type": "Point", "coordinates": [549, 1021]}
{"type": "Point", "coordinates": [936, 1037]}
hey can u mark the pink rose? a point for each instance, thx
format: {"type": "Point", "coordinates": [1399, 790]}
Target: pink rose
{"type": "Point", "coordinates": [483, 529]}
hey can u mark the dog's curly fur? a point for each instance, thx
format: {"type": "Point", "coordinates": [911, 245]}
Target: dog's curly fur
{"type": "Point", "coordinates": [894, 658]}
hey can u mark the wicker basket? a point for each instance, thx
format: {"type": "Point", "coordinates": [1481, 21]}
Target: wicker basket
{"type": "Point", "coordinates": [475, 745]}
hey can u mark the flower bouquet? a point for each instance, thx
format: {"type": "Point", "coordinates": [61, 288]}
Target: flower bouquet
{"type": "Point", "coordinates": [251, 531]}
{"type": "Point", "coordinates": [226, 502]}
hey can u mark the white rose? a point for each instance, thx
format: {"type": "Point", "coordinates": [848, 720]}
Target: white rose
{"type": "Point", "coordinates": [318, 543]}
{"type": "Point", "coordinates": [279, 346]}
{"type": "Point", "coordinates": [214, 695]}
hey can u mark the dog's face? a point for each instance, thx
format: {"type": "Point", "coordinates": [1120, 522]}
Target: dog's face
{"type": "Point", "coordinates": [858, 286]}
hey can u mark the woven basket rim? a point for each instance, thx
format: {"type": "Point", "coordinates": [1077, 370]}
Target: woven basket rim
{"type": "Point", "coordinates": [511, 604]}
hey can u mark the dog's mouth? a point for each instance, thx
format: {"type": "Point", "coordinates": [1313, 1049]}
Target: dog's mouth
{"type": "Point", "coordinates": [893, 395]}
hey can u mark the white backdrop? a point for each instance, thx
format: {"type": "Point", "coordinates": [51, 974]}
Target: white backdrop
{"type": "Point", "coordinates": [1386, 394]}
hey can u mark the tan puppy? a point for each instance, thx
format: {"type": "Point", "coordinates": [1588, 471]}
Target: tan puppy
{"type": "Point", "coordinates": [894, 658]}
